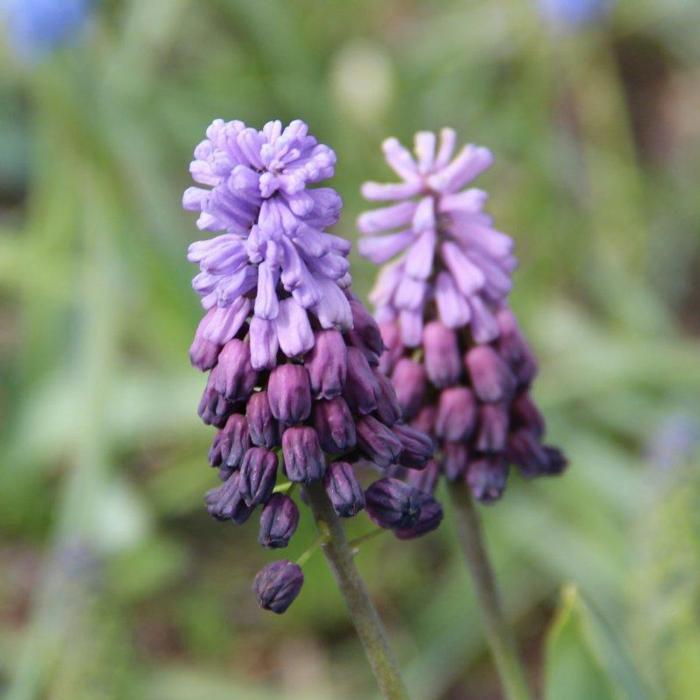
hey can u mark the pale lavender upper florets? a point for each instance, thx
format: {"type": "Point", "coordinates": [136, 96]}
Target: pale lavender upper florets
{"type": "Point", "coordinates": [449, 251]}
{"type": "Point", "coordinates": [273, 258]}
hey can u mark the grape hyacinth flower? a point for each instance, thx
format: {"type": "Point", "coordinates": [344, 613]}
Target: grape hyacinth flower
{"type": "Point", "coordinates": [292, 355]}
{"type": "Point", "coordinates": [459, 362]}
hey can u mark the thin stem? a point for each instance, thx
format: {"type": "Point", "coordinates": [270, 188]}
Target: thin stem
{"type": "Point", "coordinates": [498, 634]}
{"type": "Point", "coordinates": [364, 617]}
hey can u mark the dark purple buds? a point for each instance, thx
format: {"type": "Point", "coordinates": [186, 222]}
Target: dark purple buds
{"type": "Point", "coordinates": [388, 408]}
{"type": "Point", "coordinates": [378, 442]}
{"type": "Point", "coordinates": [235, 376]}
{"type": "Point", "coordinates": [514, 349]}
{"type": "Point", "coordinates": [391, 335]}
{"type": "Point", "coordinates": [456, 416]}
{"type": "Point", "coordinates": [487, 478]}
{"type": "Point", "coordinates": [303, 459]}
{"type": "Point", "coordinates": [443, 362]}
{"type": "Point", "coordinates": [213, 408]}
{"type": "Point", "coordinates": [230, 443]}
{"type": "Point", "coordinates": [556, 461]}
{"type": "Point", "coordinates": [365, 333]}
{"type": "Point", "coordinates": [226, 501]}
{"type": "Point", "coordinates": [393, 504]}
{"type": "Point", "coordinates": [526, 415]}
{"type": "Point", "coordinates": [429, 519]}
{"type": "Point", "coordinates": [525, 450]}
{"type": "Point", "coordinates": [492, 433]}
{"type": "Point", "coordinates": [361, 387]}
{"type": "Point", "coordinates": [278, 521]}
{"type": "Point", "coordinates": [410, 382]}
{"type": "Point", "coordinates": [277, 585]}
{"type": "Point", "coordinates": [258, 475]}
{"type": "Point", "coordinates": [455, 459]}
{"type": "Point", "coordinates": [425, 480]}
{"type": "Point", "coordinates": [343, 489]}
{"type": "Point", "coordinates": [289, 393]}
{"type": "Point", "coordinates": [327, 364]}
{"type": "Point", "coordinates": [204, 353]}
{"type": "Point", "coordinates": [264, 430]}
{"type": "Point", "coordinates": [335, 425]}
{"type": "Point", "coordinates": [491, 377]}
{"type": "Point", "coordinates": [417, 447]}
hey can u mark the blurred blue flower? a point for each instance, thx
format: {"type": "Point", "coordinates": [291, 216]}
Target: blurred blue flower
{"type": "Point", "coordinates": [572, 14]}
{"type": "Point", "coordinates": [35, 28]}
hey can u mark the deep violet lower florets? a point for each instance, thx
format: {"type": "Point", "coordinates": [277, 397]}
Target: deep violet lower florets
{"type": "Point", "coordinates": [292, 354]}
{"type": "Point", "coordinates": [460, 365]}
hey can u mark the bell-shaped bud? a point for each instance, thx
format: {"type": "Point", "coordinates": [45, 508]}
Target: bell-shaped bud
{"type": "Point", "coordinates": [361, 387]}
{"type": "Point", "coordinates": [278, 521]}
{"type": "Point", "coordinates": [525, 414]}
{"type": "Point", "coordinates": [429, 519]}
{"type": "Point", "coordinates": [327, 364]}
{"type": "Point", "coordinates": [455, 460]}
{"type": "Point", "coordinates": [230, 443]}
{"type": "Point", "coordinates": [235, 376]}
{"type": "Point", "coordinates": [258, 475]}
{"type": "Point", "coordinates": [365, 334]}
{"type": "Point", "coordinates": [491, 378]}
{"type": "Point", "coordinates": [556, 461]}
{"type": "Point", "coordinates": [213, 408]}
{"type": "Point", "coordinates": [425, 480]}
{"type": "Point", "coordinates": [487, 478]}
{"type": "Point", "coordinates": [393, 504]}
{"type": "Point", "coordinates": [203, 353]}
{"type": "Point", "coordinates": [410, 382]}
{"type": "Point", "coordinates": [391, 335]}
{"type": "Point", "coordinates": [277, 585]}
{"type": "Point", "coordinates": [514, 349]}
{"type": "Point", "coordinates": [417, 447]}
{"type": "Point", "coordinates": [492, 432]}
{"type": "Point", "coordinates": [264, 429]}
{"type": "Point", "coordinates": [289, 393]}
{"type": "Point", "coordinates": [377, 441]}
{"type": "Point", "coordinates": [443, 362]}
{"type": "Point", "coordinates": [303, 458]}
{"type": "Point", "coordinates": [226, 502]}
{"type": "Point", "coordinates": [388, 408]}
{"type": "Point", "coordinates": [526, 451]}
{"type": "Point", "coordinates": [343, 489]}
{"type": "Point", "coordinates": [334, 425]}
{"type": "Point", "coordinates": [456, 415]}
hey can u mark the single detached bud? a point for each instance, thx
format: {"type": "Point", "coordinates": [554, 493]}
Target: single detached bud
{"type": "Point", "coordinates": [455, 460]}
{"type": "Point", "coordinates": [213, 408]}
{"type": "Point", "coordinates": [226, 501]}
{"type": "Point", "coordinates": [388, 408]}
{"type": "Point", "coordinates": [443, 362]}
{"type": "Point", "coordinates": [334, 425]}
{"type": "Point", "coordinates": [456, 416]}
{"type": "Point", "coordinates": [289, 393]}
{"type": "Point", "coordinates": [429, 519]}
{"type": "Point", "coordinates": [361, 387]}
{"type": "Point", "coordinates": [230, 443]}
{"type": "Point", "coordinates": [417, 446]}
{"type": "Point", "coordinates": [491, 377]}
{"type": "Point", "coordinates": [525, 414]}
{"type": "Point", "coordinates": [365, 334]}
{"type": "Point", "coordinates": [393, 504]}
{"type": "Point", "coordinates": [378, 442]}
{"type": "Point", "coordinates": [492, 433]}
{"type": "Point", "coordinates": [410, 382]}
{"type": "Point", "coordinates": [278, 521]}
{"type": "Point", "coordinates": [391, 335]}
{"type": "Point", "coordinates": [425, 480]}
{"type": "Point", "coordinates": [487, 478]}
{"type": "Point", "coordinates": [303, 459]}
{"type": "Point", "coordinates": [343, 489]}
{"type": "Point", "coordinates": [264, 429]}
{"type": "Point", "coordinates": [258, 475]}
{"type": "Point", "coordinates": [327, 364]}
{"type": "Point", "coordinates": [425, 419]}
{"type": "Point", "coordinates": [203, 353]}
{"type": "Point", "coordinates": [235, 376]}
{"type": "Point", "coordinates": [277, 585]}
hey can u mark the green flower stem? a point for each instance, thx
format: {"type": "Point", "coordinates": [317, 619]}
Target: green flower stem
{"type": "Point", "coordinates": [369, 627]}
{"type": "Point", "coordinates": [498, 634]}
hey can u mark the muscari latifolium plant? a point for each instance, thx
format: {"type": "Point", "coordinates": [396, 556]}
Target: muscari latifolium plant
{"type": "Point", "coordinates": [292, 354]}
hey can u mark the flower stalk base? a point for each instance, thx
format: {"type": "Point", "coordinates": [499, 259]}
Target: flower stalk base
{"type": "Point", "coordinates": [370, 630]}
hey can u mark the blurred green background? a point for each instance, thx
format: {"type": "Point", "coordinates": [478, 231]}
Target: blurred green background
{"type": "Point", "coordinates": [114, 582]}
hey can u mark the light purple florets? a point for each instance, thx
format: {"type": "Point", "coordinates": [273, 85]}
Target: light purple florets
{"type": "Point", "coordinates": [273, 257]}
{"type": "Point", "coordinates": [448, 251]}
